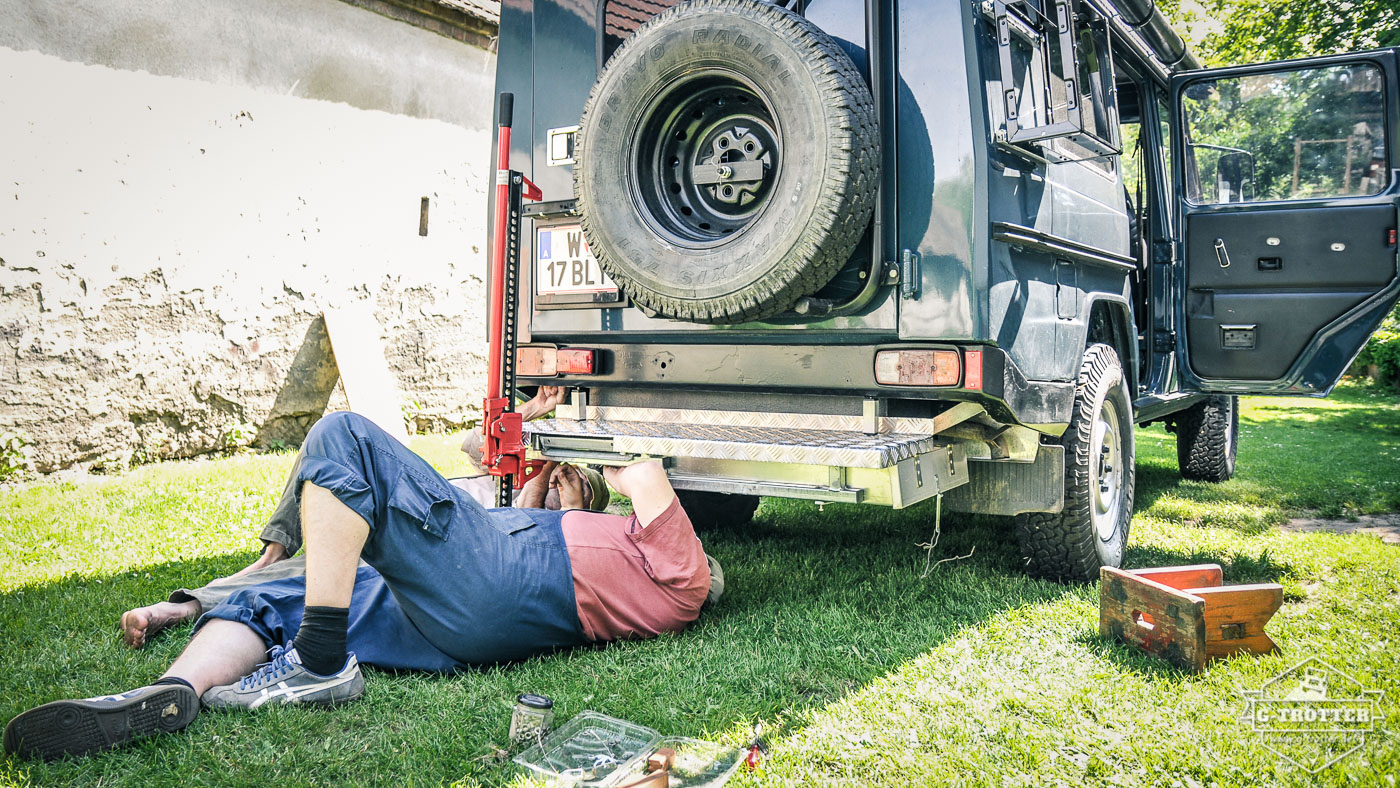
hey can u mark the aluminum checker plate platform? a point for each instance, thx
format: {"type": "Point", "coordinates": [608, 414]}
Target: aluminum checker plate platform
{"type": "Point", "coordinates": [754, 444]}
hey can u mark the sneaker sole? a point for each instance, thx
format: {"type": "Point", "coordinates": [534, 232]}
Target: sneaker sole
{"type": "Point", "coordinates": [79, 727]}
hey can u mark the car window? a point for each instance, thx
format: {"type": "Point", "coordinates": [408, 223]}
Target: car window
{"type": "Point", "coordinates": [1286, 135]}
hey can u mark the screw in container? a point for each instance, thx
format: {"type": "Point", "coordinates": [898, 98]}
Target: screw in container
{"type": "Point", "coordinates": [531, 718]}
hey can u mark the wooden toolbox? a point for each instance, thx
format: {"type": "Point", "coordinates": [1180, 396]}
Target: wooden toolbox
{"type": "Point", "coordinates": [1184, 615]}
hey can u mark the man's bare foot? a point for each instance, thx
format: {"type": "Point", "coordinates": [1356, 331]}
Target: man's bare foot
{"type": "Point", "coordinates": [143, 622]}
{"type": "Point", "coordinates": [272, 553]}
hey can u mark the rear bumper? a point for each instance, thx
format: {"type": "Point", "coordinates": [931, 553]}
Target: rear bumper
{"type": "Point", "coordinates": [842, 370]}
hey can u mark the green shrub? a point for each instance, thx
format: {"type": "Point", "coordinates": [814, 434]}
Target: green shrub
{"type": "Point", "coordinates": [1383, 353]}
{"type": "Point", "coordinates": [238, 437]}
{"type": "Point", "coordinates": [14, 455]}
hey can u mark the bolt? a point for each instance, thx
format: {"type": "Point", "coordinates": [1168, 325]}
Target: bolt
{"type": "Point", "coordinates": [726, 172]}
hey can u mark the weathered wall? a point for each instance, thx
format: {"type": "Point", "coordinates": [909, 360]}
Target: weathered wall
{"type": "Point", "coordinates": [169, 235]}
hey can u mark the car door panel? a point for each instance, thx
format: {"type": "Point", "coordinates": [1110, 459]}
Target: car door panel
{"type": "Point", "coordinates": [1288, 201]}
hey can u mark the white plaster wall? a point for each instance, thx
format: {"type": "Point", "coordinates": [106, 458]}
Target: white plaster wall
{"type": "Point", "coordinates": [166, 243]}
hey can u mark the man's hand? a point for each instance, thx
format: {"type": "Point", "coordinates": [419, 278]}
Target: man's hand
{"type": "Point", "coordinates": [647, 485]}
{"type": "Point", "coordinates": [533, 493]}
{"type": "Point", "coordinates": [569, 482]}
{"type": "Point", "coordinates": [546, 399]}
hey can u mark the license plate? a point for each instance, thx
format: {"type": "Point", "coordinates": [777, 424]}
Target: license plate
{"type": "Point", "coordinates": [566, 267]}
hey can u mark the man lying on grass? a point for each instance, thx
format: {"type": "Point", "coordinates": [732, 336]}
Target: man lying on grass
{"type": "Point", "coordinates": [281, 536]}
{"type": "Point", "coordinates": [448, 584]}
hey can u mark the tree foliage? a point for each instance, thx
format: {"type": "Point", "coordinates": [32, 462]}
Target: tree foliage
{"type": "Point", "coordinates": [1230, 32]}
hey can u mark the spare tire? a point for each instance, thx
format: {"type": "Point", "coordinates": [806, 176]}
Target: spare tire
{"type": "Point", "coordinates": [727, 161]}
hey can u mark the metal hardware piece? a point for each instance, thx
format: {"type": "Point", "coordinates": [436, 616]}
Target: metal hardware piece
{"type": "Point", "coordinates": [910, 275]}
{"type": "Point", "coordinates": [559, 146]}
{"type": "Point", "coordinates": [805, 492]}
{"type": "Point", "coordinates": [870, 416]}
{"type": "Point", "coordinates": [926, 475]}
{"type": "Point", "coordinates": [1221, 253]}
{"type": "Point", "coordinates": [1237, 337]}
{"type": "Point", "coordinates": [801, 446]}
{"type": "Point", "coordinates": [579, 401]}
{"type": "Point", "coordinates": [733, 172]}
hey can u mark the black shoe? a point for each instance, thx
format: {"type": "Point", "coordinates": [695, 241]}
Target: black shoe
{"type": "Point", "coordinates": [79, 727]}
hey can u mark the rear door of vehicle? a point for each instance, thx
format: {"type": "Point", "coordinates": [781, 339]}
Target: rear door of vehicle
{"type": "Point", "coordinates": [1288, 188]}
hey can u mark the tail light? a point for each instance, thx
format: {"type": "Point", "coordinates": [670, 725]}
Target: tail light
{"type": "Point", "coordinates": [917, 368]}
{"type": "Point", "coordinates": [548, 362]}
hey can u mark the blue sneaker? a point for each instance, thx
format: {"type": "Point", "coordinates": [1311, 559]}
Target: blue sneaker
{"type": "Point", "coordinates": [79, 727]}
{"type": "Point", "coordinates": [284, 679]}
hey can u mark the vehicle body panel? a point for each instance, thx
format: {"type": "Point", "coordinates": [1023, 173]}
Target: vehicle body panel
{"type": "Point", "coordinates": [1020, 252]}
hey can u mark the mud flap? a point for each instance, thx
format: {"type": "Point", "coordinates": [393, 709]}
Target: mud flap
{"type": "Point", "coordinates": [1011, 488]}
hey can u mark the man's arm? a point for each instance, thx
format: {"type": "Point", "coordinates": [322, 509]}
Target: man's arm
{"type": "Point", "coordinates": [545, 400]}
{"type": "Point", "coordinates": [647, 485]}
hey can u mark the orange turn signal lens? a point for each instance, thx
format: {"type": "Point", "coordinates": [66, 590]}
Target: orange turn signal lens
{"type": "Point", "coordinates": [536, 362]}
{"type": "Point", "coordinates": [577, 361]}
{"type": "Point", "coordinates": [917, 368]}
{"type": "Point", "coordinates": [548, 362]}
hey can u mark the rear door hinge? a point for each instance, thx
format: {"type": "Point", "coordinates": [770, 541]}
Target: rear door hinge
{"type": "Point", "coordinates": [1163, 341]}
{"type": "Point", "coordinates": [1161, 251]}
{"type": "Point", "coordinates": [910, 274]}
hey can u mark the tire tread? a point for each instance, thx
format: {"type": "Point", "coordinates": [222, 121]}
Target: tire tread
{"type": "Point", "coordinates": [1204, 433]}
{"type": "Point", "coordinates": [1062, 545]}
{"type": "Point", "coordinates": [847, 192]}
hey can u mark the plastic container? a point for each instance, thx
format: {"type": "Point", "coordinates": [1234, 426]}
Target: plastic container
{"type": "Point", "coordinates": [591, 749]}
{"type": "Point", "coordinates": [698, 764]}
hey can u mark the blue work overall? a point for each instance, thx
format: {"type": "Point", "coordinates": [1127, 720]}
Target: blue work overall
{"type": "Point", "coordinates": [448, 582]}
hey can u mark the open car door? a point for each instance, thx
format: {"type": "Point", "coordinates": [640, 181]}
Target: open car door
{"type": "Point", "coordinates": [1288, 186]}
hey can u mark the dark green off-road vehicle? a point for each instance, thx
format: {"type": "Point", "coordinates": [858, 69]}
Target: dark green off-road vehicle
{"type": "Point", "coordinates": [878, 251]}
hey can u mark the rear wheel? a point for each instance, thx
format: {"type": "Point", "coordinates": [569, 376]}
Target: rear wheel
{"type": "Point", "coordinates": [708, 510]}
{"type": "Point", "coordinates": [1092, 530]}
{"type": "Point", "coordinates": [1207, 439]}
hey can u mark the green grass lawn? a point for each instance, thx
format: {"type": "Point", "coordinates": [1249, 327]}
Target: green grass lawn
{"type": "Point", "coordinates": [863, 671]}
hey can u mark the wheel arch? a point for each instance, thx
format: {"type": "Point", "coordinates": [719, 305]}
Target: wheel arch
{"type": "Point", "coordinates": [1111, 323]}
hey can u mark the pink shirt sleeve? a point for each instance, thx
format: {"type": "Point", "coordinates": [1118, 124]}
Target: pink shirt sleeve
{"type": "Point", "coordinates": [631, 581]}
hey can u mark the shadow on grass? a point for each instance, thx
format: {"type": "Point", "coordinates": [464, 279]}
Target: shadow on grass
{"type": "Point", "coordinates": [1237, 567]}
{"type": "Point", "coordinates": [818, 604]}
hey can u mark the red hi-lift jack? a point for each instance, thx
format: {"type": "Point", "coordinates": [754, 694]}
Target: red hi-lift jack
{"type": "Point", "coordinates": [504, 450]}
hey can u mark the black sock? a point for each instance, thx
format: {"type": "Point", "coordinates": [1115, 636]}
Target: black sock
{"type": "Point", "coordinates": [321, 640]}
{"type": "Point", "coordinates": [174, 680]}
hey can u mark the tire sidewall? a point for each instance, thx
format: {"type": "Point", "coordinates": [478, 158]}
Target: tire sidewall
{"type": "Point", "coordinates": [626, 245]}
{"type": "Point", "coordinates": [1111, 386]}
